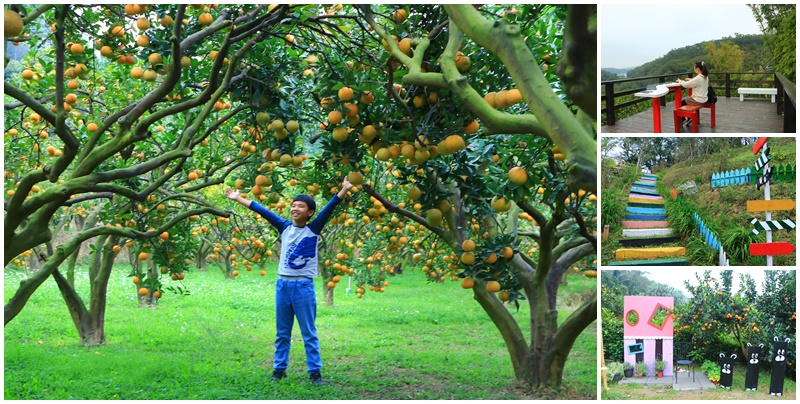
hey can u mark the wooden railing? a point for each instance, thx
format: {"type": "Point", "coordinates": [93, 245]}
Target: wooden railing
{"type": "Point", "coordinates": [786, 102]}
{"type": "Point", "coordinates": [721, 81]}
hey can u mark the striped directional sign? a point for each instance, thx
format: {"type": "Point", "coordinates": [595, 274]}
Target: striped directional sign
{"type": "Point", "coordinates": [762, 160]}
{"type": "Point", "coordinates": [766, 178]}
{"type": "Point", "coordinates": [779, 248]}
{"type": "Point", "coordinates": [785, 224]}
{"type": "Point", "coordinates": [757, 145]}
{"type": "Point", "coordinates": [767, 206]}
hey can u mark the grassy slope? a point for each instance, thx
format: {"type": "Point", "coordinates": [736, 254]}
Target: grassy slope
{"type": "Point", "coordinates": [638, 392]}
{"type": "Point", "coordinates": [416, 341]}
{"type": "Point", "coordinates": [725, 209]}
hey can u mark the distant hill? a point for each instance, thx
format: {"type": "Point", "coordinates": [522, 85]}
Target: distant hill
{"type": "Point", "coordinates": [683, 59]}
{"type": "Point", "coordinates": [616, 70]}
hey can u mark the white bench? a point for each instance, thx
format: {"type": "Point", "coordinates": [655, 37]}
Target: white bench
{"type": "Point", "coordinates": [763, 91]}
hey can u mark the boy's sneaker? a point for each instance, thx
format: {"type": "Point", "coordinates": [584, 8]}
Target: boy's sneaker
{"type": "Point", "coordinates": [277, 375]}
{"type": "Point", "coordinates": [316, 379]}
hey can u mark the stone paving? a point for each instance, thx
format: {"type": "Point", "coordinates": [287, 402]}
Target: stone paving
{"type": "Point", "coordinates": [684, 381]}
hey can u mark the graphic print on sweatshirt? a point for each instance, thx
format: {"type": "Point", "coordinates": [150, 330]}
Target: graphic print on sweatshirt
{"type": "Point", "coordinates": [298, 254]}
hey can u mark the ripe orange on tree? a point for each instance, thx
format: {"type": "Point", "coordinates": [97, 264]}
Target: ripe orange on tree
{"type": "Point", "coordinates": [143, 256]}
{"type": "Point", "coordinates": [468, 245]}
{"type": "Point", "coordinates": [493, 286]}
{"type": "Point", "coordinates": [143, 291]}
{"type": "Point", "coordinates": [517, 175]}
{"type": "Point", "coordinates": [345, 93]}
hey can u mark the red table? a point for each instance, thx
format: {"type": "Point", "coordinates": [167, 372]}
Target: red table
{"type": "Point", "coordinates": [660, 91]}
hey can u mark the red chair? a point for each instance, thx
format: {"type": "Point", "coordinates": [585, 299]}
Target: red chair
{"type": "Point", "coordinates": [693, 112]}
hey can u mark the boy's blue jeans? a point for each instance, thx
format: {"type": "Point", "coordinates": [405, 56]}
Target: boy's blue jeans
{"type": "Point", "coordinates": [296, 298]}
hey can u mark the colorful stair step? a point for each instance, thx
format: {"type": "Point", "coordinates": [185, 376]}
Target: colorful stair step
{"type": "Point", "coordinates": [651, 176]}
{"type": "Point", "coordinates": [646, 191]}
{"type": "Point", "coordinates": [656, 262]}
{"type": "Point", "coordinates": [643, 242]}
{"type": "Point", "coordinates": [652, 232]}
{"type": "Point", "coordinates": [648, 204]}
{"type": "Point", "coordinates": [649, 253]}
{"type": "Point", "coordinates": [646, 199]}
{"type": "Point", "coordinates": [644, 184]}
{"type": "Point", "coordinates": [650, 224]}
{"type": "Point", "coordinates": [646, 211]}
{"type": "Point", "coordinates": [635, 216]}
{"type": "Point", "coordinates": [640, 194]}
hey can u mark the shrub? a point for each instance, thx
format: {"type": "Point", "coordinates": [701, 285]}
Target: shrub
{"type": "Point", "coordinates": [613, 344]}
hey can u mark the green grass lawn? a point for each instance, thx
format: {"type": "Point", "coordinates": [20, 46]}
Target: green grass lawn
{"type": "Point", "coordinates": [638, 392]}
{"type": "Point", "coordinates": [415, 341]}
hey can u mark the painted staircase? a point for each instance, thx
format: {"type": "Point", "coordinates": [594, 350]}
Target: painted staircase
{"type": "Point", "coordinates": [645, 229]}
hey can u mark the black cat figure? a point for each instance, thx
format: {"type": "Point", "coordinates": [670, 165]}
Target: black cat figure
{"type": "Point", "coordinates": [753, 358]}
{"type": "Point", "coordinates": [778, 366]}
{"type": "Point", "coordinates": [726, 370]}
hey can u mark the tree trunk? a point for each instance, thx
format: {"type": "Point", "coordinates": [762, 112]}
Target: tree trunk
{"type": "Point", "coordinates": [148, 300]}
{"type": "Point", "coordinates": [200, 258]}
{"type": "Point", "coordinates": [228, 271]}
{"type": "Point", "coordinates": [90, 328]}
{"type": "Point", "coordinates": [90, 323]}
{"type": "Point", "coordinates": [328, 292]}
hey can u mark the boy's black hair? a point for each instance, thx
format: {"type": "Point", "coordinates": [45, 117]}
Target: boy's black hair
{"type": "Point", "coordinates": [309, 201]}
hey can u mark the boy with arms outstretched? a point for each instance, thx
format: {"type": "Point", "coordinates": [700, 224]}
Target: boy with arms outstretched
{"type": "Point", "coordinates": [294, 290]}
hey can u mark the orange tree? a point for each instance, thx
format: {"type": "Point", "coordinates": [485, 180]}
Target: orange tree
{"type": "Point", "coordinates": [463, 174]}
{"type": "Point", "coordinates": [133, 125]}
{"type": "Point", "coordinates": [717, 320]}
{"type": "Point", "coordinates": [472, 161]}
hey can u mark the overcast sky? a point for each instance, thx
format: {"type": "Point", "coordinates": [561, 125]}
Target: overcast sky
{"type": "Point", "coordinates": [675, 277]}
{"type": "Point", "coordinates": [634, 34]}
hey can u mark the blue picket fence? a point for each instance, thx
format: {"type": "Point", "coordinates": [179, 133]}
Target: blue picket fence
{"type": "Point", "coordinates": [780, 173]}
{"type": "Point", "coordinates": [711, 240]}
{"type": "Point", "coordinates": [733, 177]}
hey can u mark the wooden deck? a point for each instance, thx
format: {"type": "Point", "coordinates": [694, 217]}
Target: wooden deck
{"type": "Point", "coordinates": [733, 116]}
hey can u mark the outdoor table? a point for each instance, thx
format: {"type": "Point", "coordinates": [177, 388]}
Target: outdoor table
{"type": "Point", "coordinates": [660, 91]}
{"type": "Point", "coordinates": [685, 362]}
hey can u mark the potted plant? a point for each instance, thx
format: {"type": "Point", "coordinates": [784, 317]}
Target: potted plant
{"type": "Point", "coordinates": [641, 369]}
{"type": "Point", "coordinates": [627, 368]}
{"type": "Point", "coordinates": [614, 371]}
{"type": "Point", "coordinates": [659, 367]}
{"type": "Point", "coordinates": [712, 370]}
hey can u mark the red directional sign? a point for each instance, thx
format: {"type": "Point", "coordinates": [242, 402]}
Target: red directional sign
{"type": "Point", "coordinates": [757, 145]}
{"type": "Point", "coordinates": [779, 248]}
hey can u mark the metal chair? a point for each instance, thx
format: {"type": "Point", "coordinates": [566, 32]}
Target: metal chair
{"type": "Point", "coordinates": [681, 355]}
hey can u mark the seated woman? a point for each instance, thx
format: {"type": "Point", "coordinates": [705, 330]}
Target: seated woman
{"type": "Point", "coordinates": [699, 86]}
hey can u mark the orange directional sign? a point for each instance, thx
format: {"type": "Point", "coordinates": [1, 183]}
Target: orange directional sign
{"type": "Point", "coordinates": [779, 248]}
{"type": "Point", "coordinates": [757, 145]}
{"type": "Point", "coordinates": [765, 206]}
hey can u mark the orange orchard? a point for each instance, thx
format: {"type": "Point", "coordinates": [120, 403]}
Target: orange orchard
{"type": "Point", "coordinates": [445, 185]}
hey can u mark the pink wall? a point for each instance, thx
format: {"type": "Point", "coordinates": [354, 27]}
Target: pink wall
{"type": "Point", "coordinates": [645, 306]}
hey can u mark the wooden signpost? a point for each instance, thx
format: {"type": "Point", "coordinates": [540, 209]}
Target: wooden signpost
{"type": "Point", "coordinates": [772, 225]}
{"type": "Point", "coordinates": [758, 144]}
{"type": "Point", "coordinates": [762, 160]}
{"type": "Point", "coordinates": [766, 178]}
{"type": "Point", "coordinates": [778, 248]}
{"type": "Point", "coordinates": [776, 204]}
{"type": "Point", "coordinates": [769, 248]}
